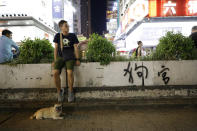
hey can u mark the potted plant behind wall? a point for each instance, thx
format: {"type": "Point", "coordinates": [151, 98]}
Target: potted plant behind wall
{"type": "Point", "coordinates": [174, 46]}
{"type": "Point", "coordinates": [35, 51]}
{"type": "Point", "coordinates": [100, 50]}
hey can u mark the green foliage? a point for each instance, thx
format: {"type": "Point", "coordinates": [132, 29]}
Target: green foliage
{"type": "Point", "coordinates": [82, 38]}
{"type": "Point", "coordinates": [120, 58]}
{"type": "Point", "coordinates": [194, 54]}
{"type": "Point", "coordinates": [123, 58]}
{"type": "Point", "coordinates": [35, 51]}
{"type": "Point", "coordinates": [100, 50]}
{"type": "Point", "coordinates": [174, 46]}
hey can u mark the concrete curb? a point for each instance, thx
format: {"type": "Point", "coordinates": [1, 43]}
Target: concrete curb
{"type": "Point", "coordinates": [105, 97]}
{"type": "Point", "coordinates": [101, 104]}
{"type": "Point", "coordinates": [104, 93]}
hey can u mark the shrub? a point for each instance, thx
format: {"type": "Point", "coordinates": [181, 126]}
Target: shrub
{"type": "Point", "coordinates": [100, 50]}
{"type": "Point", "coordinates": [35, 51]}
{"type": "Point", "coordinates": [194, 54]}
{"type": "Point", "coordinates": [120, 58]}
{"type": "Point", "coordinates": [174, 46]}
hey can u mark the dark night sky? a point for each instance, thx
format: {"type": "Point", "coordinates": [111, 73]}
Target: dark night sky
{"type": "Point", "coordinates": [98, 16]}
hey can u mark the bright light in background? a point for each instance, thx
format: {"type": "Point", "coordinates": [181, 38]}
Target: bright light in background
{"type": "Point", "coordinates": [38, 9]}
{"type": "Point", "coordinates": [153, 8]}
{"type": "Point", "coordinates": [150, 32]}
{"type": "Point", "coordinates": [69, 7]}
{"type": "Point", "coordinates": [12, 6]}
{"type": "Point", "coordinates": [192, 7]}
{"type": "Point", "coordinates": [169, 6]}
{"type": "Point", "coordinates": [112, 20]}
{"type": "Point", "coordinates": [27, 23]}
{"type": "Point", "coordinates": [69, 10]}
{"type": "Point", "coordinates": [73, 9]}
{"type": "Point", "coordinates": [57, 9]}
{"type": "Point", "coordinates": [115, 4]}
{"type": "Point", "coordinates": [35, 8]}
{"type": "Point", "coordinates": [115, 7]}
{"type": "Point", "coordinates": [165, 8]}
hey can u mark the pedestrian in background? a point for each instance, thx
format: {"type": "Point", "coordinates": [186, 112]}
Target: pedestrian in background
{"type": "Point", "coordinates": [138, 51]}
{"type": "Point", "coordinates": [193, 35]}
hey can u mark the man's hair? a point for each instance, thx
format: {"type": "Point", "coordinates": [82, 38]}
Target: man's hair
{"type": "Point", "coordinates": [6, 32]}
{"type": "Point", "coordinates": [139, 42]}
{"type": "Point", "coordinates": [61, 23]}
{"type": "Point", "coordinates": [194, 28]}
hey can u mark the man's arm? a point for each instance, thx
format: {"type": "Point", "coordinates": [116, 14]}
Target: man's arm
{"type": "Point", "coordinates": [55, 52]}
{"type": "Point", "coordinates": [15, 47]}
{"type": "Point", "coordinates": [76, 51]}
{"type": "Point", "coordinates": [77, 54]}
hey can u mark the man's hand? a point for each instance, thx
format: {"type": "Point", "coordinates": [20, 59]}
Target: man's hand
{"type": "Point", "coordinates": [77, 63]}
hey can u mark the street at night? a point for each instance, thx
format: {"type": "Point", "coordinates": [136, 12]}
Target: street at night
{"type": "Point", "coordinates": [98, 65]}
{"type": "Point", "coordinates": [129, 119]}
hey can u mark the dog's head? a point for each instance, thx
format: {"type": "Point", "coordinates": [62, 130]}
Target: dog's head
{"type": "Point", "coordinates": [58, 107]}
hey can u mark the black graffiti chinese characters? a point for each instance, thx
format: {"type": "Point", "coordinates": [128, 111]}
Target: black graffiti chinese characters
{"type": "Point", "coordinates": [141, 72]}
{"type": "Point", "coordinates": [129, 71]}
{"type": "Point", "coordinates": [163, 74]}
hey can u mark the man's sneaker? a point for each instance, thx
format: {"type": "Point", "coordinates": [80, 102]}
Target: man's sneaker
{"type": "Point", "coordinates": [71, 96]}
{"type": "Point", "coordinates": [61, 95]}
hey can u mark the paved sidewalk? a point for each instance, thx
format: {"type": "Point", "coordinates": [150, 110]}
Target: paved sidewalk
{"type": "Point", "coordinates": [133, 119]}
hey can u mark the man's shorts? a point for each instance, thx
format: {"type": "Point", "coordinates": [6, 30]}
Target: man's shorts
{"type": "Point", "coordinates": [60, 63]}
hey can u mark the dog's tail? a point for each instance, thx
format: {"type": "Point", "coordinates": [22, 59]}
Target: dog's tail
{"type": "Point", "coordinates": [33, 116]}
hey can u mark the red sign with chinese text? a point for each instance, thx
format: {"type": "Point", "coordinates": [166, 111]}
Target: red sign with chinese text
{"type": "Point", "coordinates": [166, 8]}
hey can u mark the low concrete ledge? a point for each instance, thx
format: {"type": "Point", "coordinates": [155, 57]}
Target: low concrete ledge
{"type": "Point", "coordinates": [101, 98]}
{"type": "Point", "coordinates": [104, 93]}
{"type": "Point", "coordinates": [100, 104]}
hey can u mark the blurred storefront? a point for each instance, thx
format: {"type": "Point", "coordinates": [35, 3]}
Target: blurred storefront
{"type": "Point", "coordinates": [112, 19]}
{"type": "Point", "coordinates": [38, 18]}
{"type": "Point", "coordinates": [27, 19]}
{"type": "Point", "coordinates": [150, 20]}
{"type": "Point", "coordinates": [26, 27]}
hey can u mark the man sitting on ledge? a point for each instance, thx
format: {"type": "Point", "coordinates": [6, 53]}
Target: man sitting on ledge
{"type": "Point", "coordinates": [6, 44]}
{"type": "Point", "coordinates": [65, 55]}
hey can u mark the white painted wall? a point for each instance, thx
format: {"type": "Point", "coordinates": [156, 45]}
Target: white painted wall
{"type": "Point", "coordinates": [94, 75]}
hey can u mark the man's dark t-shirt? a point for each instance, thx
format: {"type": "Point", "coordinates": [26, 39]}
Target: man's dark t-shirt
{"type": "Point", "coordinates": [68, 45]}
{"type": "Point", "coordinates": [194, 38]}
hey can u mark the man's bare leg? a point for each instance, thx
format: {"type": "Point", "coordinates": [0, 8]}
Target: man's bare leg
{"type": "Point", "coordinates": [70, 85]}
{"type": "Point", "coordinates": [57, 80]}
{"type": "Point", "coordinates": [70, 79]}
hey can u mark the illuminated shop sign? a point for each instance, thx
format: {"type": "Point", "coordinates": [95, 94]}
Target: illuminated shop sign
{"type": "Point", "coordinates": [166, 8]}
{"type": "Point", "coordinates": [112, 14]}
{"type": "Point", "coordinates": [57, 8]}
{"type": "Point", "coordinates": [192, 7]}
{"type": "Point", "coordinates": [136, 12]}
{"type": "Point", "coordinates": [169, 7]}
